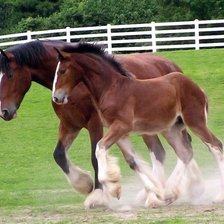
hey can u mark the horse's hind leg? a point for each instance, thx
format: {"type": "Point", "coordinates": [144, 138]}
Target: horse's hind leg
{"type": "Point", "coordinates": [215, 146]}
{"type": "Point", "coordinates": [157, 153]}
{"type": "Point", "coordinates": [80, 180]}
{"type": "Point", "coordinates": [186, 171]}
{"type": "Point", "coordinates": [153, 191]}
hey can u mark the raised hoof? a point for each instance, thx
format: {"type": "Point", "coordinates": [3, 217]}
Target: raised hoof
{"type": "Point", "coordinates": [97, 199]}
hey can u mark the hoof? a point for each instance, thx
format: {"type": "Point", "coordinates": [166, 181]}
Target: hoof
{"type": "Point", "coordinates": [113, 188]}
{"type": "Point", "coordinates": [148, 199]}
{"type": "Point", "coordinates": [152, 201]}
{"type": "Point", "coordinates": [96, 199]}
{"type": "Point", "coordinates": [169, 199]}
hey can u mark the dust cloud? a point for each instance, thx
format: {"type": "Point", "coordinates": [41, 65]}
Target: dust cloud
{"type": "Point", "coordinates": [131, 187]}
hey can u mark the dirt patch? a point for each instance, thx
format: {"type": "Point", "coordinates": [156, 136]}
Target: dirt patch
{"type": "Point", "coordinates": [185, 210]}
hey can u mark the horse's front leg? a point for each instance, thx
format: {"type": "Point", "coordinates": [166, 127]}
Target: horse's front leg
{"type": "Point", "coordinates": [109, 171]}
{"type": "Point", "coordinates": [97, 198]}
{"type": "Point", "coordinates": [80, 180]}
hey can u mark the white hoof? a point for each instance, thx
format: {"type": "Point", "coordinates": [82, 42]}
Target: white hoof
{"type": "Point", "coordinates": [148, 199]}
{"type": "Point", "coordinates": [172, 195]}
{"type": "Point", "coordinates": [152, 201]}
{"type": "Point", "coordinates": [96, 199]}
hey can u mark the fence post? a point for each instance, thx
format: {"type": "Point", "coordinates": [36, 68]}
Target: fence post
{"type": "Point", "coordinates": [153, 36]}
{"type": "Point", "coordinates": [196, 28]}
{"type": "Point", "coordinates": [29, 37]}
{"type": "Point", "coordinates": [68, 34]}
{"type": "Point", "coordinates": [109, 39]}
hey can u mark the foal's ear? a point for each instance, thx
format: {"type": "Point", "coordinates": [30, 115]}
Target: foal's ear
{"type": "Point", "coordinates": [9, 57]}
{"type": "Point", "coordinates": [60, 56]}
{"type": "Point", "coordinates": [4, 54]}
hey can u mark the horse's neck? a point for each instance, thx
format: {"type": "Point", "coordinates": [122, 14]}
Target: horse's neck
{"type": "Point", "coordinates": [103, 83]}
{"type": "Point", "coordinates": [45, 75]}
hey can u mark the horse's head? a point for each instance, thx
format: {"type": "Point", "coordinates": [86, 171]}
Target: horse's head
{"type": "Point", "coordinates": [14, 83]}
{"type": "Point", "coordinates": [68, 74]}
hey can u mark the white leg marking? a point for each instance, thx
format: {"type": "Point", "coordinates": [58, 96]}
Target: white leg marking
{"type": "Point", "coordinates": [196, 184]}
{"type": "Point", "coordinates": [158, 169]}
{"type": "Point", "coordinates": [219, 156]}
{"type": "Point", "coordinates": [109, 172]}
{"type": "Point", "coordinates": [175, 184]}
{"type": "Point", "coordinates": [102, 163]}
{"type": "Point", "coordinates": [142, 169]}
{"type": "Point", "coordinates": [55, 79]}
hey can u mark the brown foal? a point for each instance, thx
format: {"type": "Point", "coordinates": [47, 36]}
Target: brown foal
{"type": "Point", "coordinates": [164, 105]}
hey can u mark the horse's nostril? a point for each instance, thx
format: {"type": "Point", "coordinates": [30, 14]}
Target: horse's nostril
{"type": "Point", "coordinates": [56, 99]}
{"type": "Point", "coordinates": [5, 113]}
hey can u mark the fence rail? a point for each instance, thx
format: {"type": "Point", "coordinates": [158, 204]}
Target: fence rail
{"type": "Point", "coordinates": [134, 37]}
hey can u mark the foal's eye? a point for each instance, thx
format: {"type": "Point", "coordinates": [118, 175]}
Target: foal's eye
{"type": "Point", "coordinates": [10, 75]}
{"type": "Point", "coordinates": [62, 71]}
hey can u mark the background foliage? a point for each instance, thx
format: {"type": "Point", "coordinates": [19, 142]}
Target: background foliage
{"type": "Point", "coordinates": [23, 15]}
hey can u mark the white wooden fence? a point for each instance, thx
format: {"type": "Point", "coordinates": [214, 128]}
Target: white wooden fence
{"type": "Point", "coordinates": [135, 37]}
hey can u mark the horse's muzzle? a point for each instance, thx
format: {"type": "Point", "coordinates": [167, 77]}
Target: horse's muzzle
{"type": "Point", "coordinates": [7, 115]}
{"type": "Point", "coordinates": [60, 98]}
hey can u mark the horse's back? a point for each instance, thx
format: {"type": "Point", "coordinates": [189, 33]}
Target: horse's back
{"type": "Point", "coordinates": [146, 66]}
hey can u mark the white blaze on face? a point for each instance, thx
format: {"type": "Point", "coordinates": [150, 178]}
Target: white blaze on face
{"type": "Point", "coordinates": [1, 75]}
{"type": "Point", "coordinates": [55, 79]}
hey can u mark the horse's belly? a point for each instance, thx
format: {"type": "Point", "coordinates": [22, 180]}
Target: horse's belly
{"type": "Point", "coordinates": [151, 126]}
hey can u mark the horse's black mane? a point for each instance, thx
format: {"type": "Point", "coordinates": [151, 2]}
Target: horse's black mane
{"type": "Point", "coordinates": [97, 50]}
{"type": "Point", "coordinates": [29, 54]}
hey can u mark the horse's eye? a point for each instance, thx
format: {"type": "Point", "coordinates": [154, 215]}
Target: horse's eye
{"type": "Point", "coordinates": [10, 75]}
{"type": "Point", "coordinates": [62, 71]}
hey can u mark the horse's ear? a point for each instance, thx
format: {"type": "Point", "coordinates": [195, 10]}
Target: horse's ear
{"type": "Point", "coordinates": [4, 54]}
{"type": "Point", "coordinates": [10, 58]}
{"type": "Point", "coordinates": [60, 56]}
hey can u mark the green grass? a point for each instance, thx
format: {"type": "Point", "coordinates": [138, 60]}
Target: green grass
{"type": "Point", "coordinates": [32, 187]}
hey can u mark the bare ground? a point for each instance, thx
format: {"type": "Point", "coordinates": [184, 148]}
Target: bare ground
{"type": "Point", "coordinates": [185, 210]}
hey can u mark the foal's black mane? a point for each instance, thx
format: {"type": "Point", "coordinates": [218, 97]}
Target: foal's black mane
{"type": "Point", "coordinates": [97, 50]}
{"type": "Point", "coordinates": [29, 54]}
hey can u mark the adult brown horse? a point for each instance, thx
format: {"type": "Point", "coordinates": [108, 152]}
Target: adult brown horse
{"type": "Point", "coordinates": [164, 105]}
{"type": "Point", "coordinates": [36, 61]}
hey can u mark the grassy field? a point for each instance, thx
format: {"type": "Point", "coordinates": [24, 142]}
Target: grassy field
{"type": "Point", "coordinates": [33, 189]}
